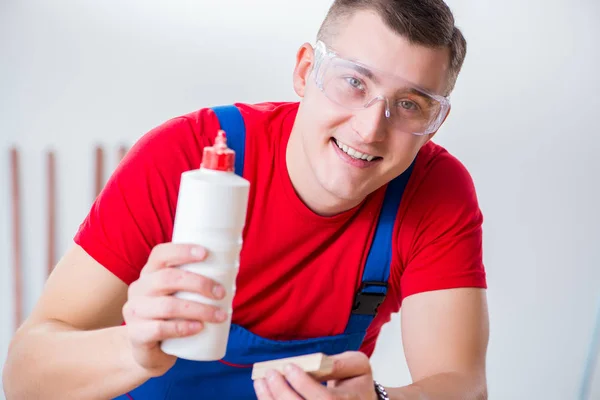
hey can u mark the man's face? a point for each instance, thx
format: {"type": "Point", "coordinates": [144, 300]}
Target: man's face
{"type": "Point", "coordinates": [325, 125]}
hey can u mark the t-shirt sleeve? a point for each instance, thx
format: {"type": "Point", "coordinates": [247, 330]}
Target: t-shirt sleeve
{"type": "Point", "coordinates": [136, 208]}
{"type": "Point", "coordinates": [442, 245]}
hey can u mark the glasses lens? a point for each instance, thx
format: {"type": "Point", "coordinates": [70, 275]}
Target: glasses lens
{"type": "Point", "coordinates": [346, 86]}
{"type": "Point", "coordinates": [415, 111]}
{"type": "Point", "coordinates": [356, 87]}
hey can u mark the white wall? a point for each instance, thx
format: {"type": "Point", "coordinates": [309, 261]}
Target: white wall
{"type": "Point", "coordinates": [524, 122]}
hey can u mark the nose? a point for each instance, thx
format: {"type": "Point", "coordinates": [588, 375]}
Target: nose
{"type": "Point", "coordinates": [370, 122]}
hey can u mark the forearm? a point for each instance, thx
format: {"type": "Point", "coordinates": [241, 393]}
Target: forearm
{"type": "Point", "coordinates": [444, 386]}
{"type": "Point", "coordinates": [55, 361]}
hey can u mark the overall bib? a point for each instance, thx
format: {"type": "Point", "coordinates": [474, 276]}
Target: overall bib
{"type": "Point", "coordinates": [229, 378]}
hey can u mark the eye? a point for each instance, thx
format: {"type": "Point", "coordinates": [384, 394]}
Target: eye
{"type": "Point", "coordinates": [408, 105]}
{"type": "Point", "coordinates": [355, 82]}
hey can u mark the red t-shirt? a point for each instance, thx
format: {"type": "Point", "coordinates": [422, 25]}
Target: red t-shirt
{"type": "Point", "coordinates": [299, 271]}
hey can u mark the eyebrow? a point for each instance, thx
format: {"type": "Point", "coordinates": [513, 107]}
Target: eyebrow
{"type": "Point", "coordinates": [416, 92]}
{"type": "Point", "coordinates": [364, 71]}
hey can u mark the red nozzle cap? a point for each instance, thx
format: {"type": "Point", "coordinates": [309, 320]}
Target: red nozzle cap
{"type": "Point", "coordinates": [219, 157]}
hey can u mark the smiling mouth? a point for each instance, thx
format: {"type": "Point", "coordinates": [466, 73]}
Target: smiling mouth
{"type": "Point", "coordinates": [357, 155]}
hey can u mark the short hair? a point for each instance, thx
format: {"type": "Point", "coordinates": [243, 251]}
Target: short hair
{"type": "Point", "coordinates": [424, 22]}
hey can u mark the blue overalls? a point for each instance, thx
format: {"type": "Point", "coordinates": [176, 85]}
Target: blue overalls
{"type": "Point", "coordinates": [229, 378]}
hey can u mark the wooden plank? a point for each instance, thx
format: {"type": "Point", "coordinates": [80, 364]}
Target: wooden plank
{"type": "Point", "coordinates": [121, 153]}
{"type": "Point", "coordinates": [99, 172]}
{"type": "Point", "coordinates": [16, 214]}
{"type": "Point", "coordinates": [317, 365]}
{"type": "Point", "coordinates": [51, 204]}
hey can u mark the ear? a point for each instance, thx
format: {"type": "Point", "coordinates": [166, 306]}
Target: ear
{"type": "Point", "coordinates": [430, 136]}
{"type": "Point", "coordinates": [304, 63]}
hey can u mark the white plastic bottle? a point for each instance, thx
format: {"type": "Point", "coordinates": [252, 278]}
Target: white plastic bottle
{"type": "Point", "coordinates": [211, 212]}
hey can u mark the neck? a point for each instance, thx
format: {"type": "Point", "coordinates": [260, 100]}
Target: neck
{"type": "Point", "coordinates": [313, 195]}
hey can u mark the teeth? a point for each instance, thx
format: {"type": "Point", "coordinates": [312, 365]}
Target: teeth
{"type": "Point", "coordinates": [353, 153]}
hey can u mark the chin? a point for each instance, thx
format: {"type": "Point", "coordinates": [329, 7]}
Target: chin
{"type": "Point", "coordinates": [343, 189]}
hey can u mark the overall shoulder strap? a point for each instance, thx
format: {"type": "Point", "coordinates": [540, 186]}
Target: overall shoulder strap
{"type": "Point", "coordinates": [376, 273]}
{"type": "Point", "coordinates": [232, 122]}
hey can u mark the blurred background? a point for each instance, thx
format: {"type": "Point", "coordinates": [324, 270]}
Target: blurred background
{"type": "Point", "coordinates": [76, 74]}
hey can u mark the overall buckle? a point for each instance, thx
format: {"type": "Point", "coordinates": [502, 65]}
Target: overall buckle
{"type": "Point", "coordinates": [366, 303]}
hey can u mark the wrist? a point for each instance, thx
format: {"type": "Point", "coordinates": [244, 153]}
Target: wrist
{"type": "Point", "coordinates": [380, 392]}
{"type": "Point", "coordinates": [127, 360]}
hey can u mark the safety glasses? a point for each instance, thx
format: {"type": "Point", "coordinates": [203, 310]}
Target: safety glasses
{"type": "Point", "coordinates": [356, 86]}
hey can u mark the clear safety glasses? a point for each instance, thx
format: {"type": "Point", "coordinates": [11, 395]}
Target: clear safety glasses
{"type": "Point", "coordinates": [356, 86]}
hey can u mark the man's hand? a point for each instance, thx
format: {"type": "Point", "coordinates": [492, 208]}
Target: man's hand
{"type": "Point", "coordinates": [351, 379]}
{"type": "Point", "coordinates": [152, 314]}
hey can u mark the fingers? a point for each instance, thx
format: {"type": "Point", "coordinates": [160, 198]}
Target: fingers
{"type": "Point", "coordinates": [304, 385]}
{"type": "Point", "coordinates": [275, 387]}
{"type": "Point", "coordinates": [159, 280]}
{"type": "Point", "coordinates": [151, 332]}
{"type": "Point", "coordinates": [170, 307]}
{"type": "Point", "coordinates": [349, 364]}
{"type": "Point", "coordinates": [170, 280]}
{"type": "Point", "coordinates": [262, 390]}
{"type": "Point", "coordinates": [170, 254]}
{"type": "Point", "coordinates": [153, 314]}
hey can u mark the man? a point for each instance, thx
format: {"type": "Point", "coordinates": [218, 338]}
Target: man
{"type": "Point", "coordinates": [374, 90]}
